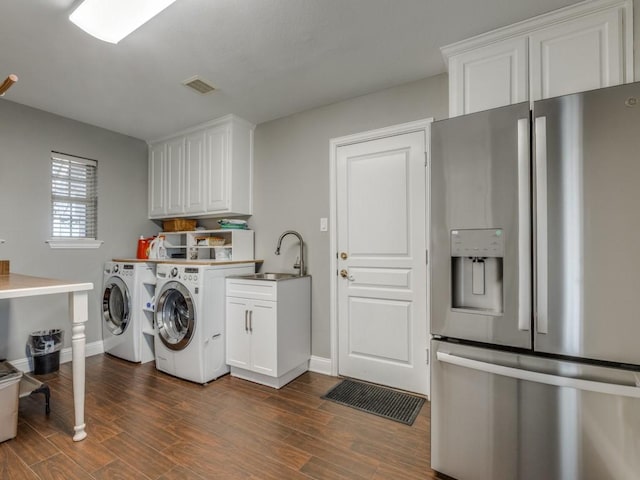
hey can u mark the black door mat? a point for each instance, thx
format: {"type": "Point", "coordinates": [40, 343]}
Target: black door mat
{"type": "Point", "coordinates": [381, 401]}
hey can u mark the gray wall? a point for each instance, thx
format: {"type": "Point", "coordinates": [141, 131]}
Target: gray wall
{"type": "Point", "coordinates": [292, 178]}
{"type": "Point", "coordinates": [292, 174]}
{"type": "Point", "coordinates": [27, 137]}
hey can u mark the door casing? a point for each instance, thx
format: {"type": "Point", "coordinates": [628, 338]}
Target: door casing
{"type": "Point", "coordinates": [335, 143]}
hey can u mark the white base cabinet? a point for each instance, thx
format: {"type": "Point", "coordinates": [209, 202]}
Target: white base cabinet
{"type": "Point", "coordinates": [268, 329]}
{"type": "Point", "coordinates": [205, 171]}
{"type": "Point", "coordinates": [577, 48]}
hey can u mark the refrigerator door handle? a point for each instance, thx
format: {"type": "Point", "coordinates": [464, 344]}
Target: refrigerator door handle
{"type": "Point", "coordinates": [542, 277]}
{"type": "Point", "coordinates": [537, 377]}
{"type": "Point", "coordinates": [524, 226]}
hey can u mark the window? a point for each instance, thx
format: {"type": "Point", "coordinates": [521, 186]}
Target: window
{"type": "Point", "coordinates": [74, 197]}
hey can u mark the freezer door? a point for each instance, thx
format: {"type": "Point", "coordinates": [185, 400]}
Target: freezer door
{"type": "Point", "coordinates": [497, 415]}
{"type": "Point", "coordinates": [587, 173]}
{"type": "Point", "coordinates": [481, 227]}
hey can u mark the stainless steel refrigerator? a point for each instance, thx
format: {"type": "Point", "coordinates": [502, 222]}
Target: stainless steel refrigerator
{"type": "Point", "coordinates": [535, 290]}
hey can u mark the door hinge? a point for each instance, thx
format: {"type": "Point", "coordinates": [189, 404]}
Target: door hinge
{"type": "Point", "coordinates": [427, 356]}
{"type": "Point", "coordinates": [426, 159]}
{"type": "Point", "coordinates": [427, 256]}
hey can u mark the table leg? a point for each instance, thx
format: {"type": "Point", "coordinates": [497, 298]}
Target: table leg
{"type": "Point", "coordinates": [79, 310]}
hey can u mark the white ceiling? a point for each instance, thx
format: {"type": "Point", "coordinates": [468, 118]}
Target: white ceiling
{"type": "Point", "coordinates": [268, 58]}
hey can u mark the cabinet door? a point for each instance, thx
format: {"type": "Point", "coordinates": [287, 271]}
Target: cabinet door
{"type": "Point", "coordinates": [582, 54]}
{"type": "Point", "coordinates": [488, 77]}
{"type": "Point", "coordinates": [175, 176]}
{"type": "Point", "coordinates": [195, 173]}
{"type": "Point", "coordinates": [238, 335]}
{"type": "Point", "coordinates": [217, 168]}
{"type": "Point", "coordinates": [264, 341]}
{"type": "Point", "coordinates": [157, 157]}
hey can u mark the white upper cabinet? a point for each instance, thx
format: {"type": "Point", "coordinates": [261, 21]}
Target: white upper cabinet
{"type": "Point", "coordinates": [203, 172]}
{"type": "Point", "coordinates": [196, 144]}
{"type": "Point", "coordinates": [175, 176]}
{"type": "Point", "coordinates": [217, 180]}
{"type": "Point", "coordinates": [577, 48]}
{"type": "Point", "coordinates": [583, 54]}
{"type": "Point", "coordinates": [489, 76]}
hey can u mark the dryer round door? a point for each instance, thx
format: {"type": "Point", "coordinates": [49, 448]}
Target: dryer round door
{"type": "Point", "coordinates": [175, 316]}
{"type": "Point", "coordinates": [116, 306]}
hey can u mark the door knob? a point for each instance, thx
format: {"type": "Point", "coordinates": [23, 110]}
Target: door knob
{"type": "Point", "coordinates": [343, 255]}
{"type": "Point", "coordinates": [345, 274]}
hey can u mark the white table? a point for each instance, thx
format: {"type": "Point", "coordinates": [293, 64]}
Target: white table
{"type": "Point", "coordinates": [17, 286]}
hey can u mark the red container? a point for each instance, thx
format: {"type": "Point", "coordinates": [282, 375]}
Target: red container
{"type": "Point", "coordinates": [143, 247]}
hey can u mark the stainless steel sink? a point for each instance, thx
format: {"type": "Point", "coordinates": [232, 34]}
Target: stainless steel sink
{"type": "Point", "coordinates": [273, 277]}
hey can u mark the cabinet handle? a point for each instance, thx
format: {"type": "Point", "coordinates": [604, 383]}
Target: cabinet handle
{"type": "Point", "coordinates": [251, 321]}
{"type": "Point", "coordinates": [246, 325]}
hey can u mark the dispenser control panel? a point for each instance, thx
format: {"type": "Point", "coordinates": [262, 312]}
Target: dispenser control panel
{"type": "Point", "coordinates": [477, 243]}
{"type": "Point", "coordinates": [477, 277]}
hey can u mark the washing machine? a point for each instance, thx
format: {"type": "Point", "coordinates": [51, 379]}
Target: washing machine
{"type": "Point", "coordinates": [189, 319]}
{"type": "Point", "coordinates": [123, 319]}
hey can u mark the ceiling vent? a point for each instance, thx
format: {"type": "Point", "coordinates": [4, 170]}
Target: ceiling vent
{"type": "Point", "coordinates": [199, 84]}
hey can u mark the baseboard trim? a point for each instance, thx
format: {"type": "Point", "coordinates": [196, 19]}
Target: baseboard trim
{"type": "Point", "coordinates": [320, 365]}
{"type": "Point", "coordinates": [93, 348]}
{"type": "Point", "coordinates": [316, 364]}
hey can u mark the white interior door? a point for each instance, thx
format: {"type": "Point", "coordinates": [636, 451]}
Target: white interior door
{"type": "Point", "coordinates": [381, 242]}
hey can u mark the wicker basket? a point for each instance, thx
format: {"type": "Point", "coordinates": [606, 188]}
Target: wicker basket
{"type": "Point", "coordinates": [210, 241]}
{"type": "Point", "coordinates": [216, 241]}
{"type": "Point", "coordinates": [179, 225]}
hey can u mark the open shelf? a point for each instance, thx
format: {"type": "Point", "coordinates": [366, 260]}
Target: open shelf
{"type": "Point", "coordinates": [238, 242]}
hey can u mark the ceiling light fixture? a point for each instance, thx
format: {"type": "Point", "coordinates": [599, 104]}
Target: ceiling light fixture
{"type": "Point", "coordinates": [112, 20]}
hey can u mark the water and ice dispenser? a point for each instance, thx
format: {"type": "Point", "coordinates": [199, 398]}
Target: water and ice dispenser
{"type": "Point", "coordinates": [477, 271]}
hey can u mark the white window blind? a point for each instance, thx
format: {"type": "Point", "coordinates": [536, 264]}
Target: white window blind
{"type": "Point", "coordinates": [74, 197]}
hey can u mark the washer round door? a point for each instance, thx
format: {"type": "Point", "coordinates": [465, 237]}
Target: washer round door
{"type": "Point", "coordinates": [175, 316]}
{"type": "Point", "coordinates": [116, 306]}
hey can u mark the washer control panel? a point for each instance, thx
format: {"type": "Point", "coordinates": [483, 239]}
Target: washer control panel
{"type": "Point", "coordinates": [186, 275]}
{"type": "Point", "coordinates": [123, 270]}
{"type": "Point", "coordinates": [127, 270]}
{"type": "Point", "coordinates": [190, 274]}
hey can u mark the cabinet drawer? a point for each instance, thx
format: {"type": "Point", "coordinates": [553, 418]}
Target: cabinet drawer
{"type": "Point", "coordinates": [254, 289]}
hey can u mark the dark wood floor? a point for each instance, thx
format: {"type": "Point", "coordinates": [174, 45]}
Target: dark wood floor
{"type": "Point", "coordinates": [143, 424]}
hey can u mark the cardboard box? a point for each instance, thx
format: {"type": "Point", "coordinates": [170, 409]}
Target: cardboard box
{"type": "Point", "coordinates": [9, 395]}
{"type": "Point", "coordinates": [4, 267]}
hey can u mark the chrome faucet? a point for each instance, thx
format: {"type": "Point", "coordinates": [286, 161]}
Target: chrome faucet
{"type": "Point", "coordinates": [300, 263]}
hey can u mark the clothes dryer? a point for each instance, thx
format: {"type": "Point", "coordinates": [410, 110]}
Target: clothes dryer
{"type": "Point", "coordinates": [190, 319]}
{"type": "Point", "coordinates": [123, 319]}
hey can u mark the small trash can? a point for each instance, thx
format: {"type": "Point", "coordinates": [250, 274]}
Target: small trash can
{"type": "Point", "coordinates": [9, 392]}
{"type": "Point", "coordinates": [45, 348]}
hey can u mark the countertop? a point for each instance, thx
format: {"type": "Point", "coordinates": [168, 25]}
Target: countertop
{"type": "Point", "coordinates": [15, 285]}
{"type": "Point", "coordinates": [182, 261]}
